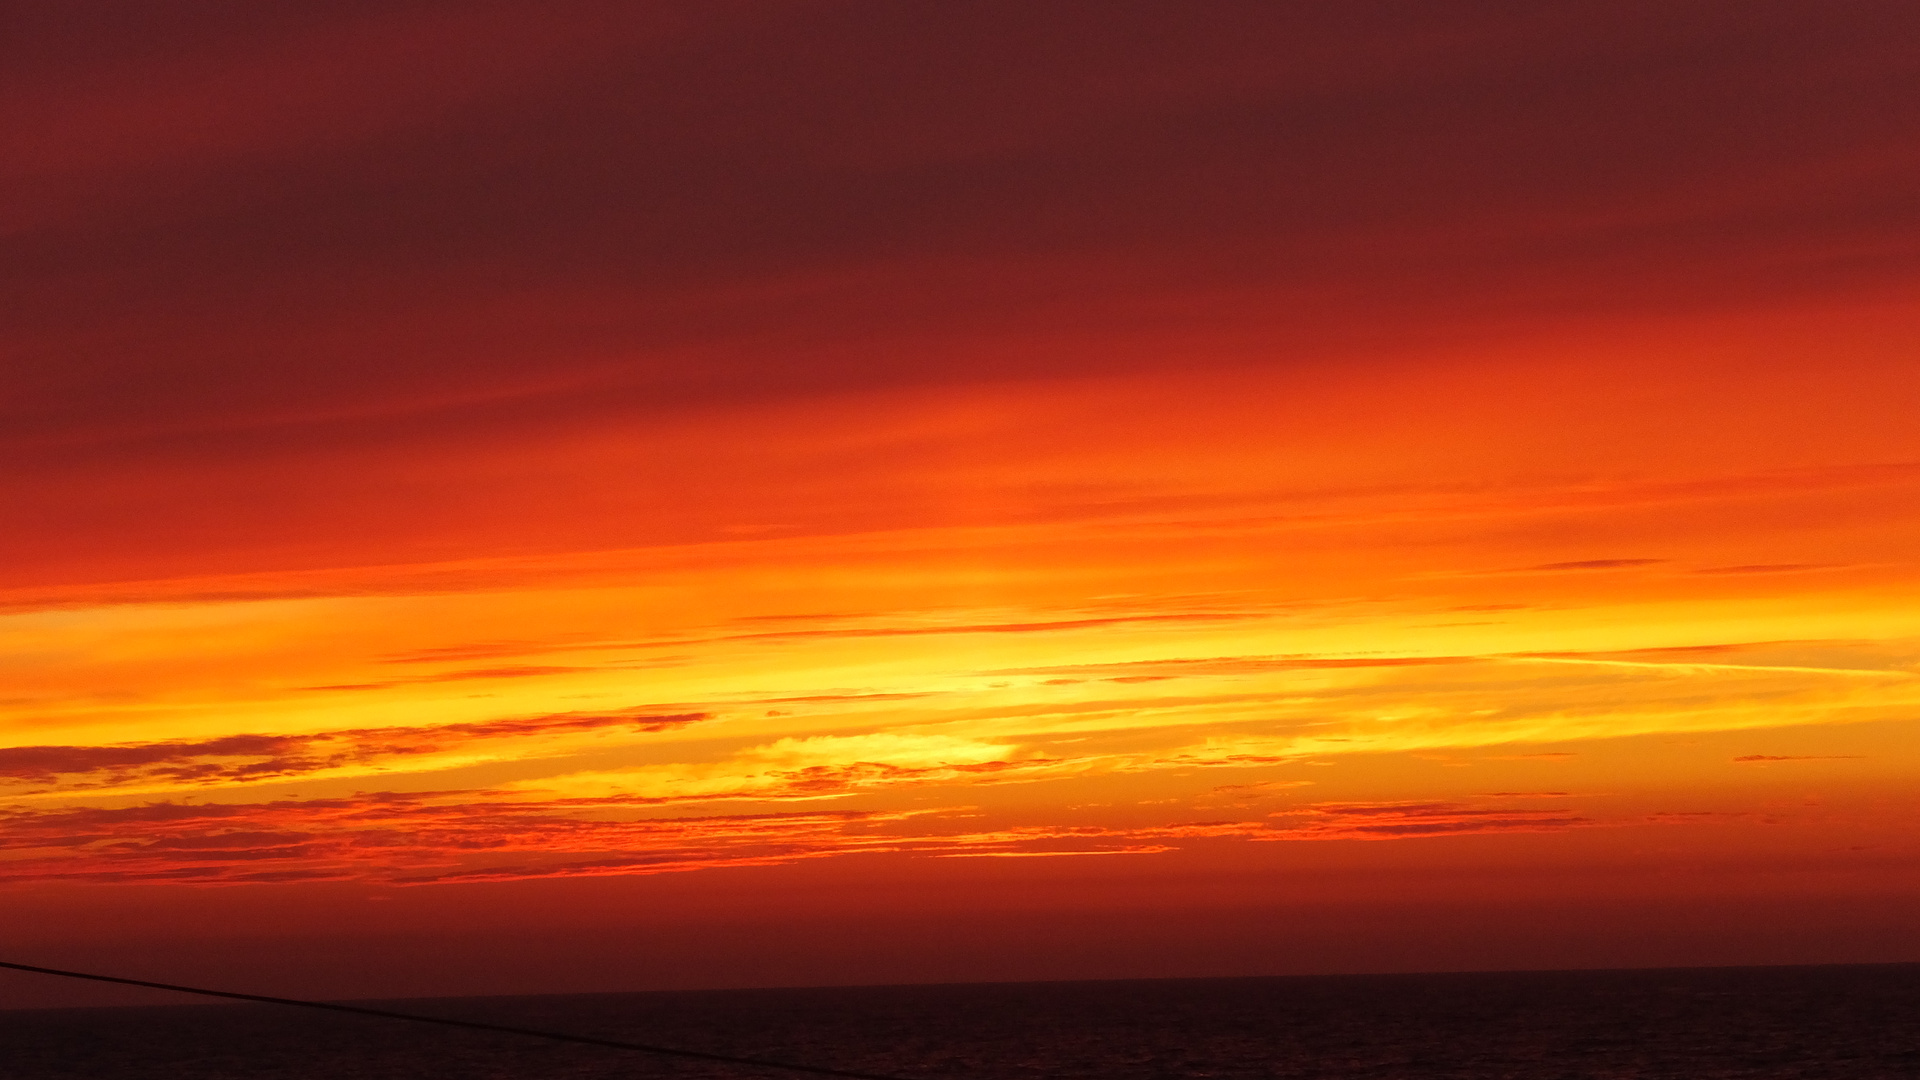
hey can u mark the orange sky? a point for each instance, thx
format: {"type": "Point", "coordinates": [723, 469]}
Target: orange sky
{"type": "Point", "coordinates": [509, 500]}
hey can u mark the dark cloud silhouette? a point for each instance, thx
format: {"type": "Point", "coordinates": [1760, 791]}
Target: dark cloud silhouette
{"type": "Point", "coordinates": [253, 256]}
{"type": "Point", "coordinates": [424, 837]}
{"type": "Point", "coordinates": [1390, 820]}
{"type": "Point", "coordinates": [1596, 564]}
{"type": "Point", "coordinates": [225, 219]}
{"type": "Point", "coordinates": [243, 758]}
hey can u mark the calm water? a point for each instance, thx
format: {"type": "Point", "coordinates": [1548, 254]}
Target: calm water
{"type": "Point", "coordinates": [1853, 1022]}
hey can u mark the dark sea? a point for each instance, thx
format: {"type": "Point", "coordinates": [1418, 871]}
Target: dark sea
{"type": "Point", "coordinates": [1851, 1022]}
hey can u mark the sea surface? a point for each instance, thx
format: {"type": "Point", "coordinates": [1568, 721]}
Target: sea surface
{"type": "Point", "coordinates": [1842, 1022]}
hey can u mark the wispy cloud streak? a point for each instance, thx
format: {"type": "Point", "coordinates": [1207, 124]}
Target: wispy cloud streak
{"type": "Point", "coordinates": [249, 758]}
{"type": "Point", "coordinates": [446, 836]}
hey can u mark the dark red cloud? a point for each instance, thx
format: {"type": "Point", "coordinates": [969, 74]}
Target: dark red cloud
{"type": "Point", "coordinates": [426, 837]}
{"type": "Point", "coordinates": [1394, 820]}
{"type": "Point", "coordinates": [406, 837]}
{"type": "Point", "coordinates": [243, 758]}
{"type": "Point", "coordinates": [226, 218]}
{"type": "Point", "coordinates": [245, 240]}
{"type": "Point", "coordinates": [1595, 564]}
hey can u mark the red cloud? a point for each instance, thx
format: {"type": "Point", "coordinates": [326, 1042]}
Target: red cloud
{"type": "Point", "coordinates": [240, 758]}
{"type": "Point", "coordinates": [225, 233]}
{"type": "Point", "coordinates": [1594, 564]}
{"type": "Point", "coordinates": [1396, 820]}
{"type": "Point", "coordinates": [467, 835]}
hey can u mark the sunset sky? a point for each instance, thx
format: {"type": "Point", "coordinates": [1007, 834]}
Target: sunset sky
{"type": "Point", "coordinates": [504, 497]}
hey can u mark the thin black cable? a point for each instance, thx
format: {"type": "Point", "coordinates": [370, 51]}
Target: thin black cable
{"type": "Point", "coordinates": [556, 1036]}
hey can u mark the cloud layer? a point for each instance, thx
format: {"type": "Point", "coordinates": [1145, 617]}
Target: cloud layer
{"type": "Point", "coordinates": [452, 442]}
{"type": "Point", "coordinates": [466, 836]}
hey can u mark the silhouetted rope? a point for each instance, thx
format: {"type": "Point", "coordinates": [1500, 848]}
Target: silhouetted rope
{"type": "Point", "coordinates": [475, 1025]}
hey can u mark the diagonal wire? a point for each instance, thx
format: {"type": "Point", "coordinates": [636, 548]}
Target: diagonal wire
{"type": "Point", "coordinates": [475, 1025]}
